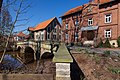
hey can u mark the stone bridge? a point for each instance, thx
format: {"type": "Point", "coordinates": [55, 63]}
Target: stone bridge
{"type": "Point", "coordinates": [45, 47]}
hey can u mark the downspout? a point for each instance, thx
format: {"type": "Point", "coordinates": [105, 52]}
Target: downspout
{"type": "Point", "coordinates": [118, 21]}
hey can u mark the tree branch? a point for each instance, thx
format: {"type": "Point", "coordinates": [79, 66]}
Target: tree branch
{"type": "Point", "coordinates": [12, 27]}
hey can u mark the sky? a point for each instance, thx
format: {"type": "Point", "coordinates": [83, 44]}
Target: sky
{"type": "Point", "coordinates": [42, 10]}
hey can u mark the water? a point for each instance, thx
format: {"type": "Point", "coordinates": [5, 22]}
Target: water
{"type": "Point", "coordinates": [10, 63]}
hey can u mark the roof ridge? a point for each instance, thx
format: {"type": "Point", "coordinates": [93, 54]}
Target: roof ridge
{"type": "Point", "coordinates": [43, 25]}
{"type": "Point", "coordinates": [73, 10]}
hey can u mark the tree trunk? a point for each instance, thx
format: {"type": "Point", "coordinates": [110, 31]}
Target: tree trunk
{"type": "Point", "coordinates": [1, 4]}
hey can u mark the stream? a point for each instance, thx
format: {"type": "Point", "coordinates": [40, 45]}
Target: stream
{"type": "Point", "coordinates": [10, 63]}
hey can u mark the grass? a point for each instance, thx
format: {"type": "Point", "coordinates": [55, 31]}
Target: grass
{"type": "Point", "coordinates": [79, 49]}
{"type": "Point", "coordinates": [97, 59]}
{"type": "Point", "coordinates": [107, 53]}
{"type": "Point", "coordinates": [114, 70]}
{"type": "Point", "coordinates": [119, 55]}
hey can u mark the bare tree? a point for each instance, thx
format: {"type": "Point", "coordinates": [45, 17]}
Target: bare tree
{"type": "Point", "coordinates": [1, 4]}
{"type": "Point", "coordinates": [20, 9]}
{"type": "Point", "coordinates": [5, 24]}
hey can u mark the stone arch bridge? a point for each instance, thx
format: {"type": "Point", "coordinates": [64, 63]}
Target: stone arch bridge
{"type": "Point", "coordinates": [44, 47]}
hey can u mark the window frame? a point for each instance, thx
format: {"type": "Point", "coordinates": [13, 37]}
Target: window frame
{"type": "Point", "coordinates": [90, 8]}
{"type": "Point", "coordinates": [90, 21]}
{"type": "Point", "coordinates": [48, 36]}
{"type": "Point", "coordinates": [54, 36]}
{"type": "Point", "coordinates": [42, 37]}
{"type": "Point", "coordinates": [108, 33]}
{"type": "Point", "coordinates": [66, 36]}
{"type": "Point", "coordinates": [76, 22]}
{"type": "Point", "coordinates": [55, 30]}
{"type": "Point", "coordinates": [66, 26]}
{"type": "Point", "coordinates": [107, 18]}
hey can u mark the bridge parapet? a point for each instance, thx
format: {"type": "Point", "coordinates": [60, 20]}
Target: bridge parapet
{"type": "Point", "coordinates": [45, 47]}
{"type": "Point", "coordinates": [62, 58]}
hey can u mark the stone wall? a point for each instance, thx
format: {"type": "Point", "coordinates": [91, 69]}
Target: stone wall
{"type": "Point", "coordinates": [63, 71]}
{"type": "Point", "coordinates": [26, 77]}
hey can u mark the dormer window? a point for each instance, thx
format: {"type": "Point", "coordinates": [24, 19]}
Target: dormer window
{"type": "Point", "coordinates": [90, 21]}
{"type": "Point", "coordinates": [66, 26]}
{"type": "Point", "coordinates": [108, 18]}
{"type": "Point", "coordinates": [90, 8]}
{"type": "Point", "coordinates": [105, 6]}
{"type": "Point", "coordinates": [110, 5]}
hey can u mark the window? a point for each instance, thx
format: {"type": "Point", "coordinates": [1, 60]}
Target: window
{"type": "Point", "coordinates": [90, 8]}
{"type": "Point", "coordinates": [105, 6]}
{"type": "Point", "coordinates": [54, 37]}
{"type": "Point", "coordinates": [49, 29]}
{"type": "Point", "coordinates": [54, 30]}
{"type": "Point", "coordinates": [48, 36]}
{"type": "Point", "coordinates": [107, 18]}
{"type": "Point", "coordinates": [66, 36]}
{"type": "Point", "coordinates": [76, 34]}
{"type": "Point", "coordinates": [66, 26]}
{"type": "Point", "coordinates": [108, 33]}
{"type": "Point", "coordinates": [90, 21]}
{"type": "Point", "coordinates": [42, 35]}
{"type": "Point", "coordinates": [110, 5]}
{"type": "Point", "coordinates": [37, 36]}
{"type": "Point", "coordinates": [59, 37]}
{"type": "Point", "coordinates": [76, 22]}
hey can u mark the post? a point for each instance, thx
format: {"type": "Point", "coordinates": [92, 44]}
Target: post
{"type": "Point", "coordinates": [38, 51]}
{"type": "Point", "coordinates": [63, 60]}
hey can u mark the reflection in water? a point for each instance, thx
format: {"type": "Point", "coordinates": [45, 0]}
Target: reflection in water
{"type": "Point", "coordinates": [10, 63]}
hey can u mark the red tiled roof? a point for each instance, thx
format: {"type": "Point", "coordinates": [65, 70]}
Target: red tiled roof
{"type": "Point", "coordinates": [21, 34]}
{"type": "Point", "coordinates": [31, 29]}
{"type": "Point", "coordinates": [104, 1]}
{"type": "Point", "coordinates": [42, 25]}
{"type": "Point", "coordinates": [76, 9]}
{"type": "Point", "coordinates": [27, 36]}
{"type": "Point", "coordinates": [73, 10]}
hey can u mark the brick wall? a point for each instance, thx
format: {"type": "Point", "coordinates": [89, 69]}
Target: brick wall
{"type": "Point", "coordinates": [98, 20]}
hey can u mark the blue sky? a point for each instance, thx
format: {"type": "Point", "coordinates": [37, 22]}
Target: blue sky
{"type": "Point", "coordinates": [42, 10]}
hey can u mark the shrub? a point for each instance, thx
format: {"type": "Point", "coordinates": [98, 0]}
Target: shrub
{"type": "Point", "coordinates": [100, 44]}
{"type": "Point", "coordinates": [78, 44]}
{"type": "Point", "coordinates": [97, 59]}
{"type": "Point", "coordinates": [118, 41]}
{"type": "Point", "coordinates": [107, 44]}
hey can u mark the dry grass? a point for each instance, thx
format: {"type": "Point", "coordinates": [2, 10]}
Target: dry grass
{"type": "Point", "coordinates": [96, 66]}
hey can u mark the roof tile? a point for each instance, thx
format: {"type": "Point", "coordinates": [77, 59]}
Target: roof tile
{"type": "Point", "coordinates": [20, 34]}
{"type": "Point", "coordinates": [76, 9]}
{"type": "Point", "coordinates": [42, 25]}
{"type": "Point", "coordinates": [73, 10]}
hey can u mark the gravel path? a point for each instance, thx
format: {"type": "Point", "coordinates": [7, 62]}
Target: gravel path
{"type": "Point", "coordinates": [113, 51]}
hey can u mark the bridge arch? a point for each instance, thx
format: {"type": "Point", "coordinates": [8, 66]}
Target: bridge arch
{"type": "Point", "coordinates": [19, 48]}
{"type": "Point", "coordinates": [29, 54]}
{"type": "Point", "coordinates": [47, 55]}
